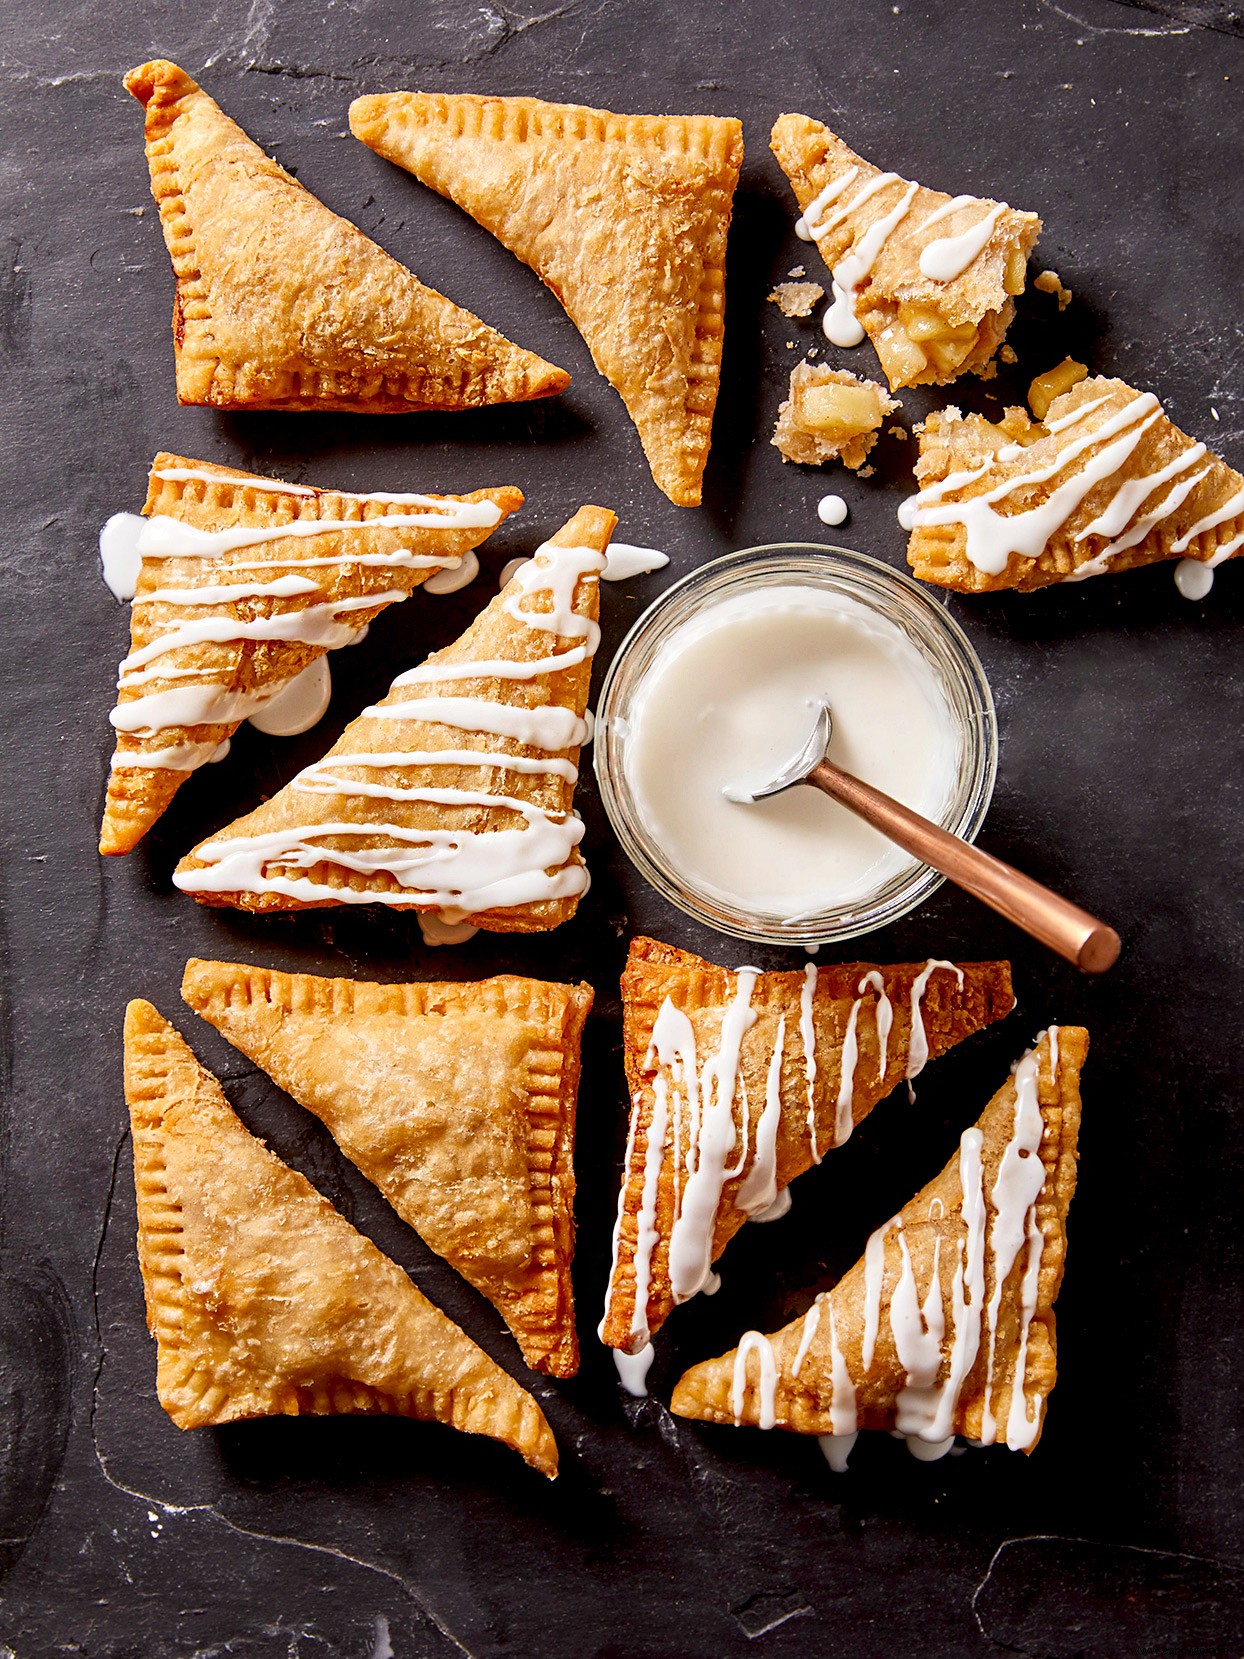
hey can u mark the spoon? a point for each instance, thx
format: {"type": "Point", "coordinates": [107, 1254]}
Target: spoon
{"type": "Point", "coordinates": [1055, 921]}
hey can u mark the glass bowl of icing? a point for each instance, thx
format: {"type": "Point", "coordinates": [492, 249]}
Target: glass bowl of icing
{"type": "Point", "coordinates": [715, 689]}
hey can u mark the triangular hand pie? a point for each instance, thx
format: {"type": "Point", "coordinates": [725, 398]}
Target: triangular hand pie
{"type": "Point", "coordinates": [457, 1101]}
{"type": "Point", "coordinates": [310, 568]}
{"type": "Point", "coordinates": [931, 279]}
{"type": "Point", "coordinates": [1105, 483]}
{"type": "Point", "coordinates": [454, 793]}
{"type": "Point", "coordinates": [282, 305]}
{"type": "Point", "coordinates": [740, 1081]}
{"type": "Point", "coordinates": [262, 1299]}
{"type": "Point", "coordinates": [623, 216]}
{"type": "Point", "coordinates": [952, 1305]}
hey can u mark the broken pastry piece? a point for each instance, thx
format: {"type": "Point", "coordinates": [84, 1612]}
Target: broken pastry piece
{"type": "Point", "coordinates": [263, 1300]}
{"type": "Point", "coordinates": [741, 1081]}
{"type": "Point", "coordinates": [454, 793]}
{"type": "Point", "coordinates": [457, 1101]}
{"type": "Point", "coordinates": [797, 299]}
{"type": "Point", "coordinates": [624, 217]}
{"type": "Point", "coordinates": [830, 415]}
{"type": "Point", "coordinates": [946, 1326]}
{"type": "Point", "coordinates": [282, 305]}
{"type": "Point", "coordinates": [1106, 483]}
{"type": "Point", "coordinates": [244, 583]}
{"type": "Point", "coordinates": [931, 279]}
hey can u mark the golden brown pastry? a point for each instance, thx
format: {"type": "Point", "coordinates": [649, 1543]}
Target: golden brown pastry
{"type": "Point", "coordinates": [282, 305]}
{"type": "Point", "coordinates": [757, 1076]}
{"type": "Point", "coordinates": [453, 795]}
{"type": "Point", "coordinates": [1106, 483]}
{"type": "Point", "coordinates": [202, 660]}
{"type": "Point", "coordinates": [929, 278]}
{"type": "Point", "coordinates": [623, 216]}
{"type": "Point", "coordinates": [457, 1101]}
{"type": "Point", "coordinates": [262, 1299]}
{"type": "Point", "coordinates": [952, 1305]}
{"type": "Point", "coordinates": [830, 415]}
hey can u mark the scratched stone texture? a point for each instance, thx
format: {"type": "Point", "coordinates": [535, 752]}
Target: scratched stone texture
{"type": "Point", "coordinates": [1121, 709]}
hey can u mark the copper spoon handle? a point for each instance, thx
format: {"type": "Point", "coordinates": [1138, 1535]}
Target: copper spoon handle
{"type": "Point", "coordinates": [1055, 921]}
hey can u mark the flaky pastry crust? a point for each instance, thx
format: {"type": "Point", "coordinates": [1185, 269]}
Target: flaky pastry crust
{"type": "Point", "coordinates": [139, 792]}
{"type": "Point", "coordinates": [280, 304]}
{"type": "Point", "coordinates": [624, 217]}
{"type": "Point", "coordinates": [952, 443]}
{"type": "Point", "coordinates": [702, 991]}
{"type": "Point", "coordinates": [262, 1299]}
{"type": "Point", "coordinates": [897, 305]}
{"type": "Point", "coordinates": [933, 1228]}
{"type": "Point", "coordinates": [457, 1101]}
{"type": "Point", "coordinates": [494, 634]}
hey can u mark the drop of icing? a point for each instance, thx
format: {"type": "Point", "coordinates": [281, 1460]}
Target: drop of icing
{"type": "Point", "coordinates": [362, 634]}
{"type": "Point", "coordinates": [633, 1370]}
{"type": "Point", "coordinates": [300, 705]}
{"type": "Point", "coordinates": [1193, 578]}
{"type": "Point", "coordinates": [445, 927]}
{"type": "Point", "coordinates": [775, 1211]}
{"type": "Point", "coordinates": [831, 509]}
{"type": "Point", "coordinates": [928, 1451]}
{"type": "Point", "coordinates": [907, 511]}
{"type": "Point", "coordinates": [452, 577]}
{"type": "Point", "coordinates": [837, 1449]}
{"type": "Point", "coordinates": [219, 752]}
{"type": "Point", "coordinates": [119, 555]}
{"type": "Point", "coordinates": [622, 561]}
{"type": "Point", "coordinates": [510, 570]}
{"type": "Point", "coordinates": [842, 327]}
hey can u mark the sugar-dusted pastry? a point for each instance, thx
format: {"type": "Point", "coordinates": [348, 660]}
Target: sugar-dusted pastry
{"type": "Point", "coordinates": [457, 1101]}
{"type": "Point", "coordinates": [1105, 483]}
{"type": "Point", "coordinates": [263, 1300]}
{"type": "Point", "coordinates": [244, 583]}
{"type": "Point", "coordinates": [830, 415]}
{"type": "Point", "coordinates": [931, 279]}
{"type": "Point", "coordinates": [623, 216]}
{"type": "Point", "coordinates": [946, 1326]}
{"type": "Point", "coordinates": [740, 1081]}
{"type": "Point", "coordinates": [797, 299]}
{"type": "Point", "coordinates": [454, 793]}
{"type": "Point", "coordinates": [282, 305]}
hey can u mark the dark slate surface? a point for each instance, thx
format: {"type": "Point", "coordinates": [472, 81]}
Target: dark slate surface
{"type": "Point", "coordinates": [1121, 764]}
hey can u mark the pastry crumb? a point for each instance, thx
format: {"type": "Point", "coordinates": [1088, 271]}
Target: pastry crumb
{"type": "Point", "coordinates": [867, 472]}
{"type": "Point", "coordinates": [796, 299]}
{"type": "Point", "coordinates": [830, 415]}
{"type": "Point", "coordinates": [898, 432]}
{"type": "Point", "coordinates": [1008, 354]}
{"type": "Point", "coordinates": [989, 371]}
{"type": "Point", "coordinates": [1049, 282]}
{"type": "Point", "coordinates": [814, 353]}
{"type": "Point", "coordinates": [797, 271]}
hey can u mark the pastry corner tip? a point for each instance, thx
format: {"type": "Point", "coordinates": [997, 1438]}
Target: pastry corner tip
{"type": "Point", "coordinates": [143, 80]}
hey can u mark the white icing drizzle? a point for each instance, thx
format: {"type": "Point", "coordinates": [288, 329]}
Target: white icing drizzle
{"type": "Point", "coordinates": [840, 322]}
{"type": "Point", "coordinates": [806, 227]}
{"type": "Point", "coordinates": [949, 256]}
{"type": "Point", "coordinates": [885, 1018]}
{"type": "Point", "coordinates": [807, 1035]}
{"type": "Point", "coordinates": [837, 1449]}
{"type": "Point", "coordinates": [463, 870]}
{"type": "Point", "coordinates": [844, 1122]}
{"type": "Point", "coordinates": [918, 1042]}
{"type": "Point", "coordinates": [775, 1211]}
{"type": "Point", "coordinates": [1211, 521]}
{"type": "Point", "coordinates": [766, 1382]}
{"type": "Point", "coordinates": [991, 538]}
{"type": "Point", "coordinates": [1100, 563]}
{"type": "Point", "coordinates": [478, 514]}
{"type": "Point", "coordinates": [874, 1274]}
{"type": "Point", "coordinates": [633, 1370]}
{"type": "Point", "coordinates": [758, 1190]}
{"type": "Point", "coordinates": [811, 1320]}
{"type": "Point", "coordinates": [618, 1219]}
{"type": "Point", "coordinates": [713, 1139]}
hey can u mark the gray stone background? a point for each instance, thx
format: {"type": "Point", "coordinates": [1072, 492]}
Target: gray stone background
{"type": "Point", "coordinates": [1120, 710]}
